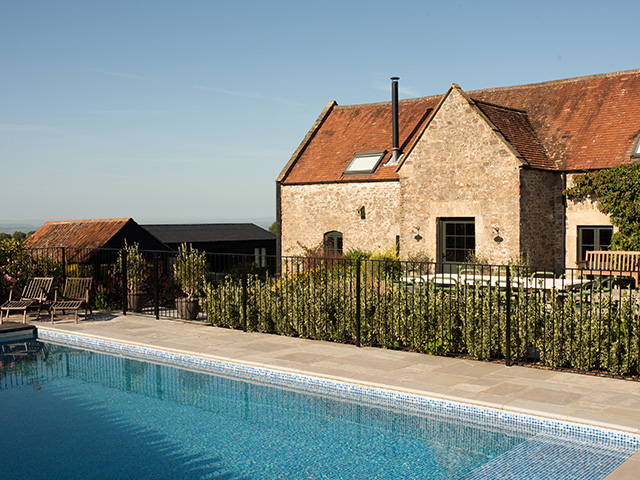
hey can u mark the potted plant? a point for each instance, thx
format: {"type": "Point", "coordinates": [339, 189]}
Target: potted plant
{"type": "Point", "coordinates": [191, 270]}
{"type": "Point", "coordinates": [137, 271]}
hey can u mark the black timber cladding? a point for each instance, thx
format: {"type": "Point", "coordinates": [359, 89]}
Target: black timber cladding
{"type": "Point", "coordinates": [216, 237]}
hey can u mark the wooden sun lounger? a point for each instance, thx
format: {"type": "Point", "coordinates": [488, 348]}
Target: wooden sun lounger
{"type": "Point", "coordinates": [74, 297]}
{"type": "Point", "coordinates": [34, 295]}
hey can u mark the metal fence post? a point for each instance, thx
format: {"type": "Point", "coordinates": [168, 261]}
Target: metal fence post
{"type": "Point", "coordinates": [507, 349]}
{"type": "Point", "coordinates": [123, 252]}
{"type": "Point", "coordinates": [156, 300]}
{"type": "Point", "coordinates": [358, 299]}
{"type": "Point", "coordinates": [64, 263]}
{"type": "Point", "coordinates": [244, 293]}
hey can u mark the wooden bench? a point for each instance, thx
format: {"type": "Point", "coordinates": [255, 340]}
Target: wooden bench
{"type": "Point", "coordinates": [611, 262]}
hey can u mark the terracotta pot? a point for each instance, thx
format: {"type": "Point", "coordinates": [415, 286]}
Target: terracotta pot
{"type": "Point", "coordinates": [188, 308]}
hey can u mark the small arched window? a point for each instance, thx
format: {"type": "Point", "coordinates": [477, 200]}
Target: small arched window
{"type": "Point", "coordinates": [333, 242]}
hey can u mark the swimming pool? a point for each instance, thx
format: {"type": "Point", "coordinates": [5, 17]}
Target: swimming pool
{"type": "Point", "coordinates": [87, 413]}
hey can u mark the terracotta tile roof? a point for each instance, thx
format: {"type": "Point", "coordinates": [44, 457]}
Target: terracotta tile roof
{"type": "Point", "coordinates": [574, 124]}
{"type": "Point", "coordinates": [77, 233]}
{"type": "Point", "coordinates": [515, 127]}
{"type": "Point", "coordinates": [348, 130]}
{"type": "Point", "coordinates": [585, 122]}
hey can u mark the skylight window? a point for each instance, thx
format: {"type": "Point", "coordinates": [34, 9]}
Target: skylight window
{"type": "Point", "coordinates": [363, 163]}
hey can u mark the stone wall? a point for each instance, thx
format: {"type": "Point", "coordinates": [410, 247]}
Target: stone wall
{"type": "Point", "coordinates": [310, 211]}
{"type": "Point", "coordinates": [541, 218]}
{"type": "Point", "coordinates": [461, 168]}
{"type": "Point", "coordinates": [580, 213]}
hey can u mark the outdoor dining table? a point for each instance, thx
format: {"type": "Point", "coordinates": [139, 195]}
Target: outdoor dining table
{"type": "Point", "coordinates": [559, 284]}
{"type": "Point", "coordinates": [525, 283]}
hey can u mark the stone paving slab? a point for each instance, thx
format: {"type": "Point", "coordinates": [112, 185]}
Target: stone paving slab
{"type": "Point", "coordinates": [586, 399]}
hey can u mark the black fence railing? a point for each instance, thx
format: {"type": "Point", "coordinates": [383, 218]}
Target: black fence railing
{"type": "Point", "coordinates": [558, 318]}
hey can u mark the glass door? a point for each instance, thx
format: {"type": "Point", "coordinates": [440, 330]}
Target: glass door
{"type": "Point", "coordinates": [457, 239]}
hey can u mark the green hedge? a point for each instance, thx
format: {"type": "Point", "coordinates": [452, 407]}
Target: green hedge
{"type": "Point", "coordinates": [587, 334]}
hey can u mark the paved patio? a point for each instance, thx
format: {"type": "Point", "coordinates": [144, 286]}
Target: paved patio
{"type": "Point", "coordinates": [598, 401]}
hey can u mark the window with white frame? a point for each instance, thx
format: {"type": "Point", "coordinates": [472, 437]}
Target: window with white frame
{"type": "Point", "coordinates": [364, 163]}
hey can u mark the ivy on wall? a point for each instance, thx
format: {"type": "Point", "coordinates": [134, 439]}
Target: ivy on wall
{"type": "Point", "coordinates": [618, 193]}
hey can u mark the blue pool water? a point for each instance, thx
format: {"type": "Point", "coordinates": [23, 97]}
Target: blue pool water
{"type": "Point", "coordinates": [78, 414]}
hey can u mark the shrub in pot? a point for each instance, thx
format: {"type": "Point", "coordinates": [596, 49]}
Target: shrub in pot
{"type": "Point", "coordinates": [137, 272]}
{"type": "Point", "coordinates": [190, 273]}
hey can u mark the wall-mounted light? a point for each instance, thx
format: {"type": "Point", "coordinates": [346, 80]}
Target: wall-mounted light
{"type": "Point", "coordinates": [415, 231]}
{"type": "Point", "coordinates": [496, 232]}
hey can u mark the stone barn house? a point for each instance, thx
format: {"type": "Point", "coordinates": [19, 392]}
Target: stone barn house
{"type": "Point", "coordinates": [479, 172]}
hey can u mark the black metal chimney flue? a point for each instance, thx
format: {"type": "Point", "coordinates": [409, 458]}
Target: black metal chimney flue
{"type": "Point", "coordinates": [395, 151]}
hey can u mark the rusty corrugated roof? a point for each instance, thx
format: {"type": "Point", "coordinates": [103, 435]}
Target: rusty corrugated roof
{"type": "Point", "coordinates": [77, 233]}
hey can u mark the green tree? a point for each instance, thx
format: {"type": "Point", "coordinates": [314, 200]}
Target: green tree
{"type": "Point", "coordinates": [17, 235]}
{"type": "Point", "coordinates": [274, 228]}
{"type": "Point", "coordinates": [617, 191]}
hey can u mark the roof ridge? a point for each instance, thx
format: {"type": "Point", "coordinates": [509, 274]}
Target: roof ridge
{"type": "Point", "coordinates": [380, 104]}
{"type": "Point", "coordinates": [194, 224]}
{"type": "Point", "coordinates": [561, 81]}
{"type": "Point", "coordinates": [493, 89]}
{"type": "Point", "coordinates": [89, 220]}
{"type": "Point", "coordinates": [502, 107]}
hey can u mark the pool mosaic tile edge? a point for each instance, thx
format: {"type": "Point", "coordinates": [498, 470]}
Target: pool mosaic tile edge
{"type": "Point", "coordinates": [488, 416]}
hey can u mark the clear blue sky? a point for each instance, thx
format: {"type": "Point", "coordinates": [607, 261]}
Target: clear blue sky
{"type": "Point", "coordinates": [170, 111]}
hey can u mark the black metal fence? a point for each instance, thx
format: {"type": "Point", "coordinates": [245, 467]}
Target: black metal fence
{"type": "Point", "coordinates": [515, 313]}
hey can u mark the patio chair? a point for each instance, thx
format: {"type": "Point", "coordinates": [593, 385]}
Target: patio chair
{"type": "Point", "coordinates": [74, 297]}
{"type": "Point", "coordinates": [411, 284]}
{"type": "Point", "coordinates": [602, 291]}
{"type": "Point", "coordinates": [580, 296]}
{"type": "Point", "coordinates": [34, 296]}
{"type": "Point", "coordinates": [445, 283]}
{"type": "Point", "coordinates": [469, 270]}
{"type": "Point", "coordinates": [477, 281]}
{"type": "Point", "coordinates": [543, 274]}
{"type": "Point", "coordinates": [572, 275]}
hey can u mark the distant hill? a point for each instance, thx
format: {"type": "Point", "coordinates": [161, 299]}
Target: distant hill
{"type": "Point", "coordinates": [10, 228]}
